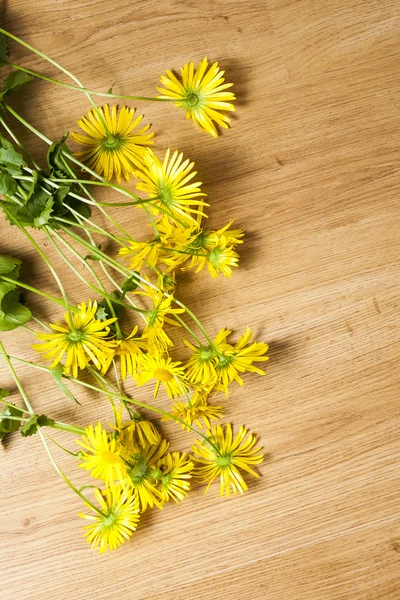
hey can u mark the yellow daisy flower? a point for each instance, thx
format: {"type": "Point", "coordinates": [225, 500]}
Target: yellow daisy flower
{"type": "Point", "coordinates": [142, 474]}
{"type": "Point", "coordinates": [227, 459]}
{"type": "Point", "coordinates": [201, 93]}
{"type": "Point", "coordinates": [148, 252]}
{"type": "Point", "coordinates": [170, 184]}
{"type": "Point", "coordinates": [116, 521]}
{"type": "Point", "coordinates": [156, 317]}
{"type": "Point", "coordinates": [175, 471]}
{"type": "Point", "coordinates": [112, 146]}
{"type": "Point", "coordinates": [128, 350]}
{"type": "Point", "coordinates": [83, 339]}
{"type": "Point", "coordinates": [137, 432]}
{"type": "Point", "coordinates": [197, 411]}
{"type": "Point", "coordinates": [164, 371]}
{"type": "Point", "coordinates": [201, 366]}
{"type": "Point", "coordinates": [238, 359]}
{"type": "Point", "coordinates": [101, 455]}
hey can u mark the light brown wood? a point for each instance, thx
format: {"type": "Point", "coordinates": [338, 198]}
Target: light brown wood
{"type": "Point", "coordinates": [310, 169]}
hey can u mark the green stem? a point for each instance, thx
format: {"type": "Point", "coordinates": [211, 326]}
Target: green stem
{"type": "Point", "coordinates": [16, 379]}
{"type": "Point", "coordinates": [80, 89]}
{"type": "Point", "coordinates": [16, 140]}
{"type": "Point", "coordinates": [30, 288]}
{"type": "Point", "coordinates": [43, 256]}
{"type": "Point", "coordinates": [124, 399]}
{"type": "Point", "coordinates": [79, 275]}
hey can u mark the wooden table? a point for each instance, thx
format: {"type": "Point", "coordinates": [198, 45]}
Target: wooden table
{"type": "Point", "coordinates": [310, 169]}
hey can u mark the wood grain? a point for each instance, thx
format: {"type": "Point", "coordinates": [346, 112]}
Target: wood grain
{"type": "Point", "coordinates": [310, 169]}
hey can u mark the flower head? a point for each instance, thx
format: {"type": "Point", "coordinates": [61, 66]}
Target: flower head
{"type": "Point", "coordinates": [238, 359]}
{"type": "Point", "coordinates": [154, 334]}
{"type": "Point", "coordinates": [137, 432]}
{"type": "Point", "coordinates": [112, 146]}
{"type": "Point", "coordinates": [83, 339]}
{"type": "Point", "coordinates": [201, 366]}
{"type": "Point", "coordinates": [170, 184]}
{"type": "Point", "coordinates": [128, 349]}
{"type": "Point", "coordinates": [115, 522]}
{"type": "Point", "coordinates": [201, 93]}
{"type": "Point", "coordinates": [198, 411]}
{"type": "Point", "coordinates": [170, 374]}
{"type": "Point", "coordinates": [101, 455]}
{"type": "Point", "coordinates": [142, 474]}
{"type": "Point", "coordinates": [227, 459]}
{"type": "Point", "coordinates": [175, 471]}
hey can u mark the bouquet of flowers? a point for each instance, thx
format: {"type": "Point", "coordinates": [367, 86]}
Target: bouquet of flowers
{"type": "Point", "coordinates": [129, 459]}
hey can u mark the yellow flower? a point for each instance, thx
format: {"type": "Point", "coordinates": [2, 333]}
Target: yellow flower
{"type": "Point", "coordinates": [112, 147]}
{"type": "Point", "coordinates": [238, 359]}
{"type": "Point", "coordinates": [214, 249]}
{"type": "Point", "coordinates": [227, 459]}
{"type": "Point", "coordinates": [116, 521]}
{"type": "Point", "coordinates": [201, 93]}
{"type": "Point", "coordinates": [220, 259]}
{"type": "Point", "coordinates": [143, 252]}
{"type": "Point", "coordinates": [201, 366]}
{"type": "Point", "coordinates": [175, 471]}
{"type": "Point", "coordinates": [82, 339]}
{"type": "Point", "coordinates": [164, 371]}
{"type": "Point", "coordinates": [170, 184]}
{"type": "Point", "coordinates": [197, 411]}
{"type": "Point", "coordinates": [158, 340]}
{"type": "Point", "coordinates": [101, 455]}
{"type": "Point", "coordinates": [129, 350]}
{"type": "Point", "coordinates": [142, 474]}
{"type": "Point", "coordinates": [168, 247]}
{"type": "Point", "coordinates": [134, 433]}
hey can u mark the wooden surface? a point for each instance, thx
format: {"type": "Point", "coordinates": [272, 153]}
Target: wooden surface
{"type": "Point", "coordinates": [310, 169]}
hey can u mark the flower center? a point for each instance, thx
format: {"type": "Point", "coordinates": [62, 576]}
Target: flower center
{"type": "Point", "coordinates": [165, 195]}
{"type": "Point", "coordinates": [224, 361]}
{"type": "Point", "coordinates": [75, 336]}
{"type": "Point", "coordinates": [205, 354]}
{"type": "Point", "coordinates": [163, 375]}
{"type": "Point", "coordinates": [224, 460]}
{"type": "Point", "coordinates": [215, 256]}
{"type": "Point", "coordinates": [111, 143]}
{"type": "Point", "coordinates": [192, 99]}
{"type": "Point", "coordinates": [110, 519]}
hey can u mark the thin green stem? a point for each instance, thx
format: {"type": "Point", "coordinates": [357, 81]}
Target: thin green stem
{"type": "Point", "coordinates": [124, 399]}
{"type": "Point", "coordinates": [16, 140]}
{"type": "Point", "coordinates": [85, 90]}
{"type": "Point", "coordinates": [30, 288]}
{"type": "Point", "coordinates": [16, 379]}
{"type": "Point", "coordinates": [42, 255]}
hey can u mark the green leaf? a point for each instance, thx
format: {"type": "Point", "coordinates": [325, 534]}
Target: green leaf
{"type": "Point", "coordinates": [131, 283]}
{"type": "Point", "coordinates": [12, 312]}
{"type": "Point", "coordinates": [140, 467]}
{"type": "Point", "coordinates": [7, 184]}
{"type": "Point", "coordinates": [7, 263]}
{"type": "Point", "coordinates": [6, 286]}
{"type": "Point", "coordinates": [12, 160]}
{"type": "Point", "coordinates": [57, 373]}
{"type": "Point", "coordinates": [55, 159]}
{"type": "Point", "coordinates": [110, 91]}
{"type": "Point", "coordinates": [31, 426]}
{"type": "Point", "coordinates": [101, 314]}
{"type": "Point", "coordinates": [9, 425]}
{"type": "Point", "coordinates": [4, 393]}
{"type": "Point", "coordinates": [44, 216]}
{"type": "Point", "coordinates": [14, 81]}
{"type": "Point", "coordinates": [3, 48]}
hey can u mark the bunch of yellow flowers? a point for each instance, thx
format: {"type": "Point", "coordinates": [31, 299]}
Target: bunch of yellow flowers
{"type": "Point", "coordinates": [131, 459]}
